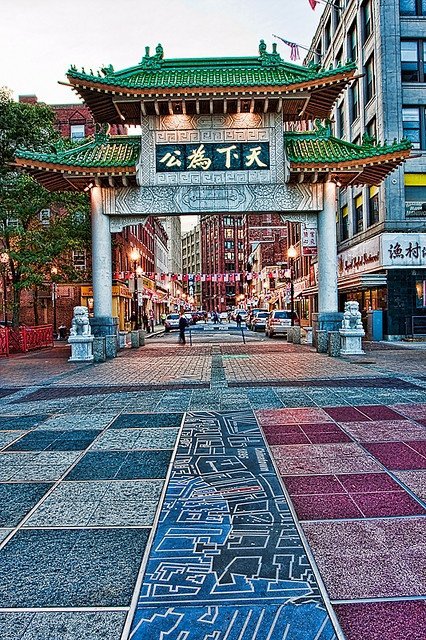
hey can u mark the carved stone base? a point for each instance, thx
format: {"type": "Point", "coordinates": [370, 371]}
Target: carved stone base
{"type": "Point", "coordinates": [351, 342]}
{"type": "Point", "coordinates": [81, 348]}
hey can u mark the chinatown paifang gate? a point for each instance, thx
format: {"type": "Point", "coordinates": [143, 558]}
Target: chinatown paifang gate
{"type": "Point", "coordinates": [219, 136]}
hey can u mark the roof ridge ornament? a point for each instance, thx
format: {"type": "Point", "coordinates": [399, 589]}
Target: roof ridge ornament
{"type": "Point", "coordinates": [322, 128]}
{"type": "Point", "coordinates": [107, 70]}
{"type": "Point", "coordinates": [269, 59]}
{"type": "Point", "coordinates": [102, 132]}
{"type": "Point", "coordinates": [370, 141]}
{"type": "Point", "coordinates": [155, 61]}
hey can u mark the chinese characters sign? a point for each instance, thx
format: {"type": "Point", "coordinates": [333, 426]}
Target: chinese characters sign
{"type": "Point", "coordinates": [235, 156]}
{"type": "Point", "coordinates": [309, 241]}
{"type": "Point", "coordinates": [403, 249]}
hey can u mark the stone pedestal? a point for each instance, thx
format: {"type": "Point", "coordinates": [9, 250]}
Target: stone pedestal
{"type": "Point", "coordinates": [351, 342]}
{"type": "Point", "coordinates": [325, 321]}
{"type": "Point", "coordinates": [333, 344]}
{"type": "Point", "coordinates": [321, 341]}
{"type": "Point", "coordinates": [122, 339]}
{"type": "Point", "coordinates": [81, 348]}
{"type": "Point", "coordinates": [135, 339]}
{"type": "Point", "coordinates": [296, 335]}
{"type": "Point", "coordinates": [111, 346]}
{"type": "Point", "coordinates": [104, 326]}
{"type": "Point", "coordinates": [99, 349]}
{"type": "Point", "coordinates": [290, 334]}
{"type": "Point", "coordinates": [141, 338]}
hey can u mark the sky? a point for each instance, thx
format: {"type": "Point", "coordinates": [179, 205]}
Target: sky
{"type": "Point", "coordinates": [40, 39]}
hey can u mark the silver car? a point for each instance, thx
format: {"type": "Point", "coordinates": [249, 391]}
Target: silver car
{"type": "Point", "coordinates": [278, 322]}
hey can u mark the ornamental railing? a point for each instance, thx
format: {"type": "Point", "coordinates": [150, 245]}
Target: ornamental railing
{"type": "Point", "coordinates": [24, 339]}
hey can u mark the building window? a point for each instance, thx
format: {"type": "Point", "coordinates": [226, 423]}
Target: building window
{"type": "Point", "coordinates": [367, 20]}
{"type": "Point", "coordinates": [420, 294]}
{"type": "Point", "coordinates": [412, 61]}
{"type": "Point", "coordinates": [79, 259]}
{"type": "Point", "coordinates": [412, 7]}
{"type": "Point", "coordinates": [340, 120]}
{"type": "Point", "coordinates": [327, 35]}
{"type": "Point", "coordinates": [77, 132]}
{"type": "Point", "coordinates": [411, 125]}
{"type": "Point", "coordinates": [354, 101]}
{"type": "Point", "coordinates": [352, 44]}
{"type": "Point", "coordinates": [344, 214]}
{"type": "Point", "coordinates": [359, 214]}
{"type": "Point", "coordinates": [372, 128]}
{"type": "Point", "coordinates": [369, 79]}
{"type": "Point", "coordinates": [373, 206]}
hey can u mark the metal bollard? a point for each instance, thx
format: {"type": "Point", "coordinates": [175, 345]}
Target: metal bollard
{"type": "Point", "coordinates": [333, 345]}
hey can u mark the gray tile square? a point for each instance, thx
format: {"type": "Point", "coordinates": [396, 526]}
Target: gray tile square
{"type": "Point", "coordinates": [39, 466]}
{"type": "Point", "coordinates": [6, 437]}
{"type": "Point", "coordinates": [55, 625]}
{"type": "Point", "coordinates": [109, 503]}
{"type": "Point", "coordinates": [81, 421]}
{"type": "Point", "coordinates": [127, 439]}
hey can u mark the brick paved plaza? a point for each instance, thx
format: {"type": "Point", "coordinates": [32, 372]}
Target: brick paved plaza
{"type": "Point", "coordinates": [222, 491]}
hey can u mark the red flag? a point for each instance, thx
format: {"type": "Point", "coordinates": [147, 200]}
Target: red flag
{"type": "Point", "coordinates": [313, 3]}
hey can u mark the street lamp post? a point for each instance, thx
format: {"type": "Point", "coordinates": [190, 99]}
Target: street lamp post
{"type": "Point", "coordinates": [54, 273]}
{"type": "Point", "coordinates": [137, 270]}
{"type": "Point", "coordinates": [291, 254]}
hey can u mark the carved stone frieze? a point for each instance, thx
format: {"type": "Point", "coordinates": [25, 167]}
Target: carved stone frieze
{"type": "Point", "coordinates": [118, 223]}
{"type": "Point", "coordinates": [205, 198]}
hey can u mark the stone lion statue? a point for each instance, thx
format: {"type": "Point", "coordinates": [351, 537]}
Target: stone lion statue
{"type": "Point", "coordinates": [352, 316]}
{"type": "Point", "coordinates": [80, 323]}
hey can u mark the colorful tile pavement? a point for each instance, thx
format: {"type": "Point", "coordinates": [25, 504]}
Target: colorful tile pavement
{"type": "Point", "coordinates": [290, 504]}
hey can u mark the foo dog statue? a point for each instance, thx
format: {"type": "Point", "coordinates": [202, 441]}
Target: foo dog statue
{"type": "Point", "coordinates": [80, 323]}
{"type": "Point", "coordinates": [352, 316]}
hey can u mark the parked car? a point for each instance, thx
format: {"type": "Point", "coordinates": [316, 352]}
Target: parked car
{"type": "Point", "coordinates": [251, 316]}
{"type": "Point", "coordinates": [278, 322]}
{"type": "Point", "coordinates": [223, 316]}
{"type": "Point", "coordinates": [242, 312]}
{"type": "Point", "coordinates": [171, 322]}
{"type": "Point", "coordinates": [259, 321]}
{"type": "Point", "coordinates": [189, 318]}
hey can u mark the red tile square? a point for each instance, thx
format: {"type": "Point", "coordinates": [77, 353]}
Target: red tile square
{"type": "Point", "coordinates": [415, 411]}
{"type": "Point", "coordinates": [419, 446]}
{"type": "Point", "coordinates": [368, 482]}
{"type": "Point", "coordinates": [396, 455]}
{"type": "Point", "coordinates": [324, 438]}
{"type": "Point", "coordinates": [325, 507]}
{"type": "Point", "coordinates": [380, 412]}
{"type": "Point", "coordinates": [281, 428]}
{"type": "Point", "coordinates": [387, 503]}
{"type": "Point", "coordinates": [346, 414]}
{"type": "Point", "coordinates": [321, 427]}
{"type": "Point", "coordinates": [383, 620]}
{"type": "Point", "coordinates": [303, 485]}
{"type": "Point", "coordinates": [296, 437]}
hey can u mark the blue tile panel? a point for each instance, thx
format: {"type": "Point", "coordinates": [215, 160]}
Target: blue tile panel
{"type": "Point", "coordinates": [77, 440]}
{"type": "Point", "coordinates": [16, 500]}
{"type": "Point", "coordinates": [121, 465]}
{"type": "Point", "coordinates": [71, 567]}
{"type": "Point", "coordinates": [227, 553]}
{"type": "Point", "coordinates": [140, 420]}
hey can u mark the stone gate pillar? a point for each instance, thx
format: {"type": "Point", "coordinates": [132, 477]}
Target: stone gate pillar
{"type": "Point", "coordinates": [327, 317]}
{"type": "Point", "coordinates": [103, 323]}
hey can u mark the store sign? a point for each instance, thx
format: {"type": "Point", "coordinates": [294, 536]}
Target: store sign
{"type": "Point", "coordinates": [415, 209]}
{"type": "Point", "coordinates": [359, 259]}
{"type": "Point", "coordinates": [403, 249]}
{"type": "Point", "coordinates": [309, 241]}
{"type": "Point", "coordinates": [235, 156]}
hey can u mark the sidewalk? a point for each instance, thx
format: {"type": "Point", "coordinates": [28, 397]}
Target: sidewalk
{"type": "Point", "coordinates": [227, 491]}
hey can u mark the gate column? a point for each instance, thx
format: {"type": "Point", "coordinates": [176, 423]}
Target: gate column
{"type": "Point", "coordinates": [103, 322]}
{"type": "Point", "coordinates": [327, 317]}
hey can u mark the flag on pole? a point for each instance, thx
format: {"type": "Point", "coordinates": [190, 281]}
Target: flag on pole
{"type": "Point", "coordinates": [294, 48]}
{"type": "Point", "coordinates": [313, 3]}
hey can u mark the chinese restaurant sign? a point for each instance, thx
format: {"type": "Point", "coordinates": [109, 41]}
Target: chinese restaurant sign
{"type": "Point", "coordinates": [236, 156]}
{"type": "Point", "coordinates": [403, 249]}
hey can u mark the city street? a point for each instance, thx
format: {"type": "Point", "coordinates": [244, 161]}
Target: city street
{"type": "Point", "coordinates": [215, 490]}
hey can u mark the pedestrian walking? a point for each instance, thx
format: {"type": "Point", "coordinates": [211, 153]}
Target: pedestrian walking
{"type": "Point", "coordinates": [151, 321]}
{"type": "Point", "coordinates": [145, 322]}
{"type": "Point", "coordinates": [183, 323]}
{"type": "Point", "coordinates": [238, 320]}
